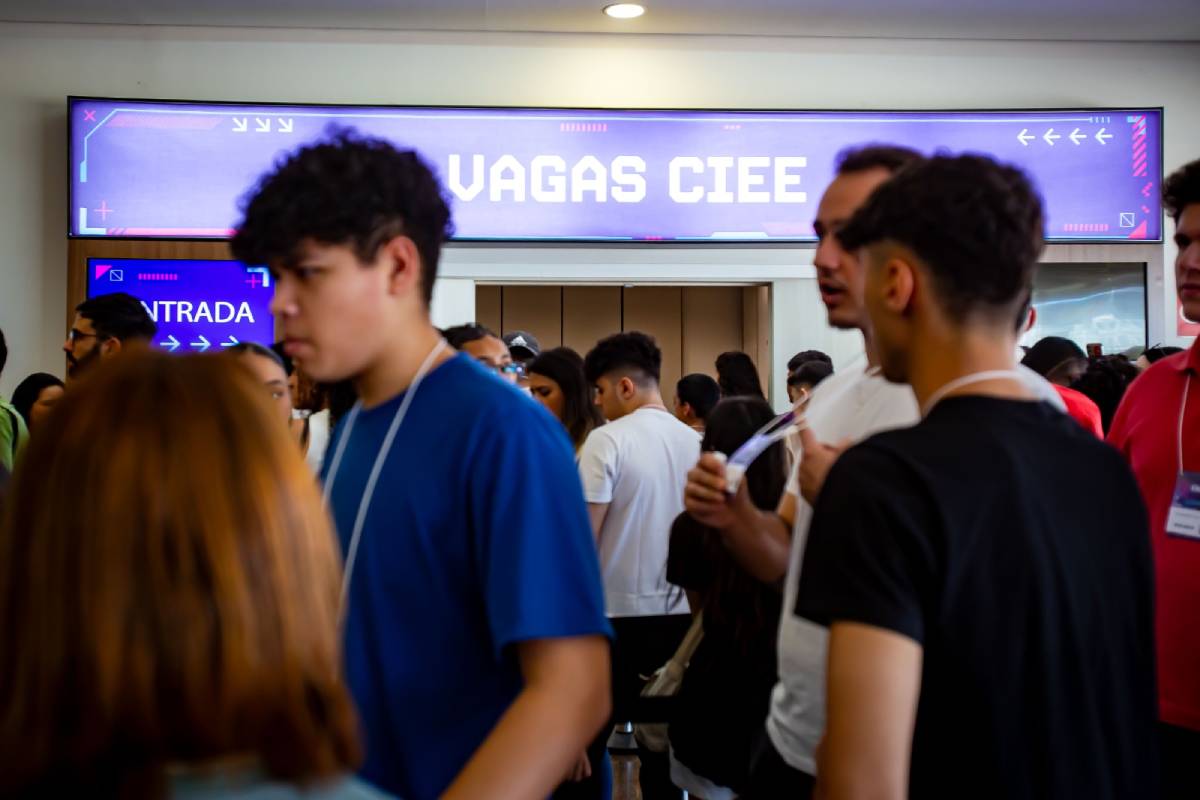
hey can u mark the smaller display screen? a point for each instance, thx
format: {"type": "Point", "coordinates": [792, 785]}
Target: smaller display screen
{"type": "Point", "coordinates": [200, 306]}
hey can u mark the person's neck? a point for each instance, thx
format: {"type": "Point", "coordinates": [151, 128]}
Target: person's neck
{"type": "Point", "coordinates": [869, 347]}
{"type": "Point", "coordinates": [396, 368]}
{"type": "Point", "coordinates": [953, 353]}
{"type": "Point", "coordinates": [648, 398]}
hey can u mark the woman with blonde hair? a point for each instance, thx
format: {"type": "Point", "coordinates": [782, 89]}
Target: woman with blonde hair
{"type": "Point", "coordinates": [168, 598]}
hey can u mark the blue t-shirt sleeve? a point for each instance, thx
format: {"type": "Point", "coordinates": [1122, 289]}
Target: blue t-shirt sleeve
{"type": "Point", "coordinates": [534, 546]}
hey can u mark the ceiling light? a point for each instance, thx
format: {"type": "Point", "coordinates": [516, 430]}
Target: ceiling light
{"type": "Point", "coordinates": [624, 10]}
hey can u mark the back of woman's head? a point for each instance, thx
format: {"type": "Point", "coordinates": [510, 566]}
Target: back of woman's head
{"type": "Point", "coordinates": [168, 587]}
{"type": "Point", "coordinates": [732, 422]}
{"type": "Point", "coordinates": [28, 391]}
{"type": "Point", "coordinates": [565, 367]}
{"type": "Point", "coordinates": [737, 375]}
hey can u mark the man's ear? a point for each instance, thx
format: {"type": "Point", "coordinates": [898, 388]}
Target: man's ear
{"type": "Point", "coordinates": [900, 283]}
{"type": "Point", "coordinates": [626, 388]}
{"type": "Point", "coordinates": [403, 262]}
{"type": "Point", "coordinates": [110, 347]}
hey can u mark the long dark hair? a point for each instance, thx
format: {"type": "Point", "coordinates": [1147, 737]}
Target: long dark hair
{"type": "Point", "coordinates": [736, 599]}
{"type": "Point", "coordinates": [565, 367]}
{"type": "Point", "coordinates": [737, 376]}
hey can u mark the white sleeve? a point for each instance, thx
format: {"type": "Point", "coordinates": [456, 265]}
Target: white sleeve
{"type": "Point", "coordinates": [598, 466]}
{"type": "Point", "coordinates": [793, 481]}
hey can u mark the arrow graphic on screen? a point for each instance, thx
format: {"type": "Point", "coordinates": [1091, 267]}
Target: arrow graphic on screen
{"type": "Point", "coordinates": [262, 125]}
{"type": "Point", "coordinates": [1024, 137]}
{"type": "Point", "coordinates": [202, 345]}
{"type": "Point", "coordinates": [232, 341]}
{"type": "Point", "coordinates": [1051, 137]}
{"type": "Point", "coordinates": [285, 125]}
{"type": "Point", "coordinates": [240, 124]}
{"type": "Point", "coordinates": [1101, 136]}
{"type": "Point", "coordinates": [1076, 137]}
{"type": "Point", "coordinates": [171, 344]}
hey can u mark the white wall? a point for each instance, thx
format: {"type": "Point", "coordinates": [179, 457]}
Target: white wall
{"type": "Point", "coordinates": [41, 65]}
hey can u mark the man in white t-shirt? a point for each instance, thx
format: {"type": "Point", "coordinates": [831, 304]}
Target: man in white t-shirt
{"type": "Point", "coordinates": [634, 470]}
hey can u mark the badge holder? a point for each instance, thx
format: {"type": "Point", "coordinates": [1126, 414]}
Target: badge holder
{"type": "Point", "coordinates": [774, 431]}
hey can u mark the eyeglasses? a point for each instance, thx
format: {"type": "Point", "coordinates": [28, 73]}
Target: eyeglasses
{"type": "Point", "coordinates": [510, 369]}
{"type": "Point", "coordinates": [75, 335]}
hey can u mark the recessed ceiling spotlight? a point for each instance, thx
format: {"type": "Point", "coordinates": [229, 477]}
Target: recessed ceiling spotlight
{"type": "Point", "coordinates": [624, 10]}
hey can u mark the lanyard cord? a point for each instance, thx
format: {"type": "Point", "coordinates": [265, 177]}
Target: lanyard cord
{"type": "Point", "coordinates": [967, 380]}
{"type": "Point", "coordinates": [1182, 408]}
{"type": "Point", "coordinates": [369, 491]}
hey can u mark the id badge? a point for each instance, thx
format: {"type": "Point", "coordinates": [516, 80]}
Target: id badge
{"type": "Point", "coordinates": [1184, 519]}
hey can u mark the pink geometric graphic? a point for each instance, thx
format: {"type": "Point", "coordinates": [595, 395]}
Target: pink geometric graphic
{"type": "Point", "coordinates": [1139, 232]}
{"type": "Point", "coordinates": [1146, 189]}
{"type": "Point", "coordinates": [101, 269]}
{"type": "Point", "coordinates": [1139, 146]}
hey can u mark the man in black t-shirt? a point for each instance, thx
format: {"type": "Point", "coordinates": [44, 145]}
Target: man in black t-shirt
{"type": "Point", "coordinates": [985, 575]}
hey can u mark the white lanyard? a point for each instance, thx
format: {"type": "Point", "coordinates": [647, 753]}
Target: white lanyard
{"type": "Point", "coordinates": [369, 490]}
{"type": "Point", "coordinates": [1182, 408]}
{"type": "Point", "coordinates": [967, 380]}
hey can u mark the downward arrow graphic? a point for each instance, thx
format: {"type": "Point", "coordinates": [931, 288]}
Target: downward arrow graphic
{"type": "Point", "coordinates": [285, 125]}
{"type": "Point", "coordinates": [240, 124]}
{"type": "Point", "coordinates": [1076, 137]}
{"type": "Point", "coordinates": [1102, 137]}
{"type": "Point", "coordinates": [262, 125]}
{"type": "Point", "coordinates": [171, 344]}
{"type": "Point", "coordinates": [202, 345]}
{"type": "Point", "coordinates": [1051, 137]}
{"type": "Point", "coordinates": [1024, 137]}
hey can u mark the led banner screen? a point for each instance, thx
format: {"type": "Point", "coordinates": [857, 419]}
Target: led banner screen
{"type": "Point", "coordinates": [168, 169]}
{"type": "Point", "coordinates": [200, 306]}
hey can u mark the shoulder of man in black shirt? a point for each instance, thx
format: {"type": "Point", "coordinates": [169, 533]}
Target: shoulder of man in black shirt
{"type": "Point", "coordinates": [879, 538]}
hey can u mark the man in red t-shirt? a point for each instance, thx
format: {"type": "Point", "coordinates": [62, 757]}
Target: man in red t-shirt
{"type": "Point", "coordinates": [1157, 428]}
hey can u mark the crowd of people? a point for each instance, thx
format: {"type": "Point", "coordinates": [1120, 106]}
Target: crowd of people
{"type": "Point", "coordinates": [938, 585]}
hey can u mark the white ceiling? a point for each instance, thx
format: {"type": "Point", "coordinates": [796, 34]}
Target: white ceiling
{"type": "Point", "coordinates": [1091, 20]}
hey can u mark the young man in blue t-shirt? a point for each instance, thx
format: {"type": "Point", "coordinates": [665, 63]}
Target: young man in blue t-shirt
{"type": "Point", "coordinates": [476, 643]}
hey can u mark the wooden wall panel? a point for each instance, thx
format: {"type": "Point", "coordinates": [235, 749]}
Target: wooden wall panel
{"type": "Point", "coordinates": [487, 306]}
{"type": "Point", "coordinates": [589, 313]}
{"type": "Point", "coordinates": [712, 324]}
{"type": "Point", "coordinates": [658, 311]}
{"type": "Point", "coordinates": [536, 309]}
{"type": "Point", "coordinates": [756, 332]}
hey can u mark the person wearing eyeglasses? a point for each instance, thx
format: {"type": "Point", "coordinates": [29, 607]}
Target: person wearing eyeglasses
{"type": "Point", "coordinates": [103, 327]}
{"type": "Point", "coordinates": [485, 347]}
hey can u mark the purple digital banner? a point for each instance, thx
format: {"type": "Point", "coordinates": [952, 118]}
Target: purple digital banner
{"type": "Point", "coordinates": [175, 169]}
{"type": "Point", "coordinates": [199, 305]}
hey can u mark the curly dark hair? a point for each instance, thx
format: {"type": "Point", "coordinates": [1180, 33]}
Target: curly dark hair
{"type": "Point", "coordinates": [1181, 189]}
{"type": "Point", "coordinates": [975, 223]}
{"type": "Point", "coordinates": [737, 376]}
{"type": "Point", "coordinates": [348, 190]}
{"type": "Point", "coordinates": [634, 352]}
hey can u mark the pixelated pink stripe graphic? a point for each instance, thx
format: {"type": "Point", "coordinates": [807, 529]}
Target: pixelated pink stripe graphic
{"type": "Point", "coordinates": [165, 121]}
{"type": "Point", "coordinates": [1139, 147]}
